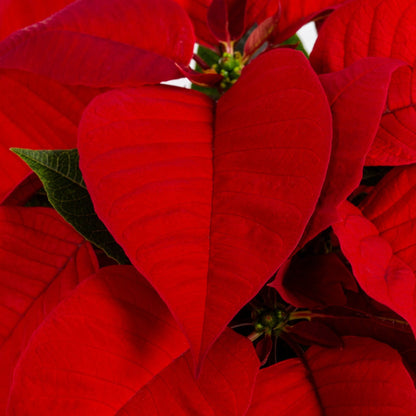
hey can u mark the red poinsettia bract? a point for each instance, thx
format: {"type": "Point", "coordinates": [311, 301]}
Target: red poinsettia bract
{"type": "Point", "coordinates": [209, 198]}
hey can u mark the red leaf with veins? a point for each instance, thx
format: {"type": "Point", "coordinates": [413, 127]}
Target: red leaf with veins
{"type": "Point", "coordinates": [224, 387]}
{"type": "Point", "coordinates": [208, 230]}
{"type": "Point", "coordinates": [110, 338]}
{"type": "Point", "coordinates": [24, 191]}
{"type": "Point", "coordinates": [15, 14]}
{"type": "Point", "coordinates": [377, 28]}
{"type": "Point", "coordinates": [86, 44]}
{"type": "Point", "coordinates": [296, 13]}
{"type": "Point", "coordinates": [365, 377]}
{"type": "Point", "coordinates": [197, 11]}
{"type": "Point", "coordinates": [41, 260]}
{"type": "Point", "coordinates": [226, 19]}
{"type": "Point", "coordinates": [379, 271]}
{"type": "Point", "coordinates": [392, 209]}
{"type": "Point", "coordinates": [35, 113]}
{"type": "Point", "coordinates": [255, 11]}
{"type": "Point", "coordinates": [314, 281]}
{"type": "Point", "coordinates": [357, 96]}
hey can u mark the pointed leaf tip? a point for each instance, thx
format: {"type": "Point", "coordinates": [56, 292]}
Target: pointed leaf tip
{"type": "Point", "coordinates": [59, 172]}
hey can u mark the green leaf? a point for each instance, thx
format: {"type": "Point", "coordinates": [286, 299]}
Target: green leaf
{"type": "Point", "coordinates": [62, 179]}
{"type": "Point", "coordinates": [207, 55]}
{"type": "Point", "coordinates": [295, 41]}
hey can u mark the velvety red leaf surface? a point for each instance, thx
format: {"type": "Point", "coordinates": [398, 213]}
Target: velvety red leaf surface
{"type": "Point", "coordinates": [314, 281]}
{"type": "Point", "coordinates": [41, 260]}
{"type": "Point", "coordinates": [255, 11]}
{"type": "Point", "coordinates": [16, 14]}
{"type": "Point", "coordinates": [208, 230]}
{"type": "Point", "coordinates": [365, 317]}
{"type": "Point", "coordinates": [392, 209]}
{"type": "Point", "coordinates": [24, 191]}
{"type": "Point", "coordinates": [296, 13]}
{"type": "Point", "coordinates": [105, 43]}
{"type": "Point", "coordinates": [377, 28]}
{"type": "Point", "coordinates": [364, 378]}
{"type": "Point", "coordinates": [315, 333]}
{"type": "Point", "coordinates": [357, 96]}
{"type": "Point", "coordinates": [224, 387]}
{"type": "Point", "coordinates": [226, 19]}
{"type": "Point", "coordinates": [110, 338]}
{"type": "Point", "coordinates": [381, 273]}
{"type": "Point", "coordinates": [35, 113]}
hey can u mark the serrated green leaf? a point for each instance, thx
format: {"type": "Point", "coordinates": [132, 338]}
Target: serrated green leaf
{"type": "Point", "coordinates": [62, 179]}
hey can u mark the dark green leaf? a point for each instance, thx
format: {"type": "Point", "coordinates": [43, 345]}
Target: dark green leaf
{"type": "Point", "coordinates": [297, 43]}
{"type": "Point", "coordinates": [59, 172]}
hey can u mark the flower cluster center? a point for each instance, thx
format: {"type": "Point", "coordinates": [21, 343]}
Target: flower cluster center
{"type": "Point", "coordinates": [230, 67]}
{"type": "Point", "coordinates": [269, 320]}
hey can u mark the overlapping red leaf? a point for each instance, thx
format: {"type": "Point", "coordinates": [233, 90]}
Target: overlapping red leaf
{"type": "Point", "coordinates": [20, 13]}
{"type": "Point", "coordinates": [377, 28]}
{"type": "Point", "coordinates": [365, 377]}
{"type": "Point", "coordinates": [357, 96]}
{"type": "Point", "coordinates": [224, 387]}
{"type": "Point", "coordinates": [380, 248]}
{"type": "Point", "coordinates": [110, 338]}
{"type": "Point", "coordinates": [86, 44]}
{"type": "Point", "coordinates": [35, 113]}
{"type": "Point", "coordinates": [41, 260]}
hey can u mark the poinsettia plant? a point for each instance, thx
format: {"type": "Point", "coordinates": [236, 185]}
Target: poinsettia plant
{"type": "Point", "coordinates": [245, 246]}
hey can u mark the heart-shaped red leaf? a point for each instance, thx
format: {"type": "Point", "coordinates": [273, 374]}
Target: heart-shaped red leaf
{"type": "Point", "coordinates": [365, 377]}
{"type": "Point", "coordinates": [379, 271]}
{"type": "Point", "coordinates": [41, 260]}
{"type": "Point", "coordinates": [15, 14]}
{"type": "Point", "coordinates": [97, 348]}
{"type": "Point", "coordinates": [357, 96]}
{"type": "Point", "coordinates": [375, 28]}
{"type": "Point", "coordinates": [224, 387]}
{"type": "Point", "coordinates": [105, 43]}
{"type": "Point", "coordinates": [209, 222]}
{"type": "Point", "coordinates": [35, 113]}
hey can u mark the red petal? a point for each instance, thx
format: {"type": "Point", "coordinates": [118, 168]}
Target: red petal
{"type": "Point", "coordinates": [263, 349]}
{"type": "Point", "coordinates": [256, 11]}
{"type": "Point", "coordinates": [146, 156]}
{"type": "Point", "coordinates": [24, 190]}
{"type": "Point", "coordinates": [392, 209]}
{"type": "Point", "coordinates": [366, 377]}
{"type": "Point", "coordinates": [226, 19]}
{"type": "Point", "coordinates": [314, 281]}
{"type": "Point", "coordinates": [35, 113]}
{"type": "Point", "coordinates": [41, 259]}
{"type": "Point", "coordinates": [15, 14]}
{"type": "Point", "coordinates": [296, 13]}
{"type": "Point", "coordinates": [197, 11]}
{"type": "Point", "coordinates": [375, 28]}
{"type": "Point", "coordinates": [96, 349]}
{"type": "Point", "coordinates": [357, 96]}
{"type": "Point", "coordinates": [272, 147]}
{"type": "Point", "coordinates": [105, 43]}
{"type": "Point", "coordinates": [224, 387]}
{"type": "Point", "coordinates": [314, 333]}
{"type": "Point", "coordinates": [380, 272]}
